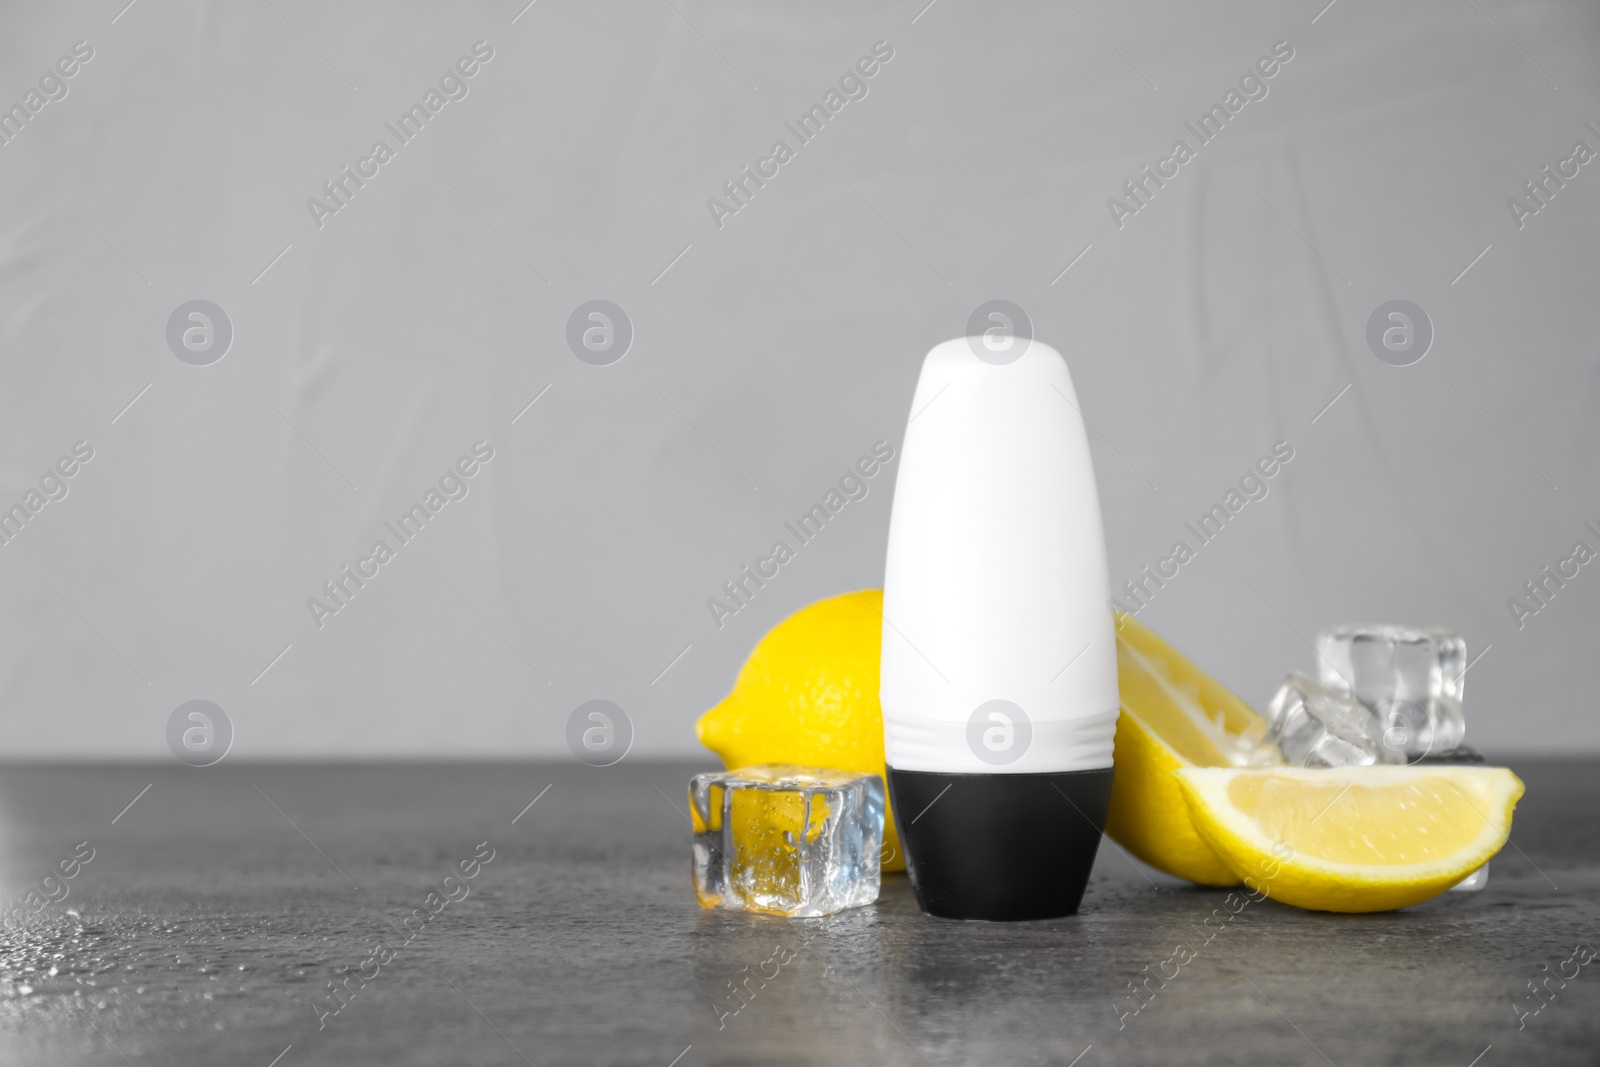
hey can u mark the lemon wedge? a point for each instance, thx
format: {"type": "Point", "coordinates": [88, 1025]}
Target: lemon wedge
{"type": "Point", "coordinates": [1174, 715]}
{"type": "Point", "coordinates": [1351, 839]}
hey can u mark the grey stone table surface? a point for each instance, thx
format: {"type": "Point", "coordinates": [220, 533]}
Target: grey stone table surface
{"type": "Point", "coordinates": [204, 923]}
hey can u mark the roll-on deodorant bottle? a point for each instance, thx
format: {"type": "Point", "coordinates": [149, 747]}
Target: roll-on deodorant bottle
{"type": "Point", "coordinates": [999, 681]}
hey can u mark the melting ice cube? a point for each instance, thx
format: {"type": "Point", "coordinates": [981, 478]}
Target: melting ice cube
{"type": "Point", "coordinates": [786, 840]}
{"type": "Point", "coordinates": [1309, 725]}
{"type": "Point", "coordinates": [1411, 678]}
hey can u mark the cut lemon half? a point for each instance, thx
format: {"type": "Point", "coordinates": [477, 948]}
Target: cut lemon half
{"type": "Point", "coordinates": [1174, 715]}
{"type": "Point", "coordinates": [1351, 838]}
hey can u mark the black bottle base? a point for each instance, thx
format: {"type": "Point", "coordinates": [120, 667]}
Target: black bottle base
{"type": "Point", "coordinates": [1002, 847]}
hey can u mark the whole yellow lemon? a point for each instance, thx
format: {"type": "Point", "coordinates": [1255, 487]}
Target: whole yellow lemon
{"type": "Point", "coordinates": [808, 695]}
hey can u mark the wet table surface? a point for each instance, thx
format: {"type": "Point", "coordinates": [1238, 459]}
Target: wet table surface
{"type": "Point", "coordinates": [205, 923]}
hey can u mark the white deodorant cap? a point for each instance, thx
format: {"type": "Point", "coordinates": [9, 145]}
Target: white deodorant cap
{"type": "Point", "coordinates": [998, 648]}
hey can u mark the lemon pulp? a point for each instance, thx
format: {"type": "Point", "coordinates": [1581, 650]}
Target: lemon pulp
{"type": "Point", "coordinates": [1382, 824]}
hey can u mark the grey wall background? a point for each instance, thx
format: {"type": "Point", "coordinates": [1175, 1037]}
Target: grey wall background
{"type": "Point", "coordinates": [768, 354]}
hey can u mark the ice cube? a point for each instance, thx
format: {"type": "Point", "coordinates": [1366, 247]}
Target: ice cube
{"type": "Point", "coordinates": [1411, 678]}
{"type": "Point", "coordinates": [1309, 725]}
{"type": "Point", "coordinates": [1473, 882]}
{"type": "Point", "coordinates": [786, 840]}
